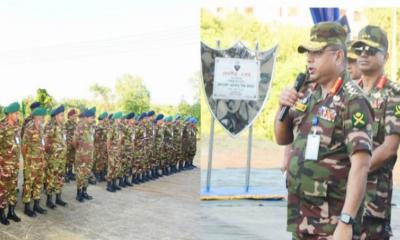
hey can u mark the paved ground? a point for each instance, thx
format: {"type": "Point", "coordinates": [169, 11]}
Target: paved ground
{"type": "Point", "coordinates": [167, 208]}
{"type": "Point", "coordinates": [253, 220]}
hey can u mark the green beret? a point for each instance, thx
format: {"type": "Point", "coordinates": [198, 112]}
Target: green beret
{"type": "Point", "coordinates": [12, 108]}
{"type": "Point", "coordinates": [103, 115]}
{"type": "Point", "coordinates": [93, 109]}
{"type": "Point", "coordinates": [168, 119]}
{"type": "Point", "coordinates": [39, 112]}
{"type": "Point", "coordinates": [117, 115]}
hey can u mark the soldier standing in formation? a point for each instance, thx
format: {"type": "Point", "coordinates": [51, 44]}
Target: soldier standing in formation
{"type": "Point", "coordinates": [70, 126]}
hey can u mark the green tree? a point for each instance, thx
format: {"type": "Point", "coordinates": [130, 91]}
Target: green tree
{"type": "Point", "coordinates": [45, 99]}
{"type": "Point", "coordinates": [132, 95]}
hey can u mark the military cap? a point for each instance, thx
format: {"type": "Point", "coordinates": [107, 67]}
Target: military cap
{"type": "Point", "coordinates": [56, 111]}
{"type": "Point", "coordinates": [102, 116]}
{"type": "Point", "coordinates": [117, 115]}
{"type": "Point", "coordinates": [12, 108]}
{"type": "Point", "coordinates": [143, 115]}
{"type": "Point", "coordinates": [130, 115]}
{"type": "Point", "coordinates": [110, 116]}
{"type": "Point", "coordinates": [89, 112]}
{"type": "Point", "coordinates": [159, 117]}
{"type": "Point", "coordinates": [39, 111]}
{"type": "Point", "coordinates": [34, 105]}
{"type": "Point", "coordinates": [93, 109]}
{"type": "Point", "coordinates": [177, 117]}
{"type": "Point", "coordinates": [168, 119]}
{"type": "Point", "coordinates": [372, 36]}
{"type": "Point", "coordinates": [150, 113]}
{"type": "Point", "coordinates": [72, 112]}
{"type": "Point", "coordinates": [351, 55]}
{"type": "Point", "coordinates": [322, 35]}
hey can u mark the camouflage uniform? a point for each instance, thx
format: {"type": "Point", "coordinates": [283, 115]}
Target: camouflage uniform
{"type": "Point", "coordinates": [9, 156]}
{"type": "Point", "coordinates": [114, 138]}
{"type": "Point", "coordinates": [84, 139]}
{"type": "Point", "coordinates": [34, 165]}
{"type": "Point", "coordinates": [70, 127]}
{"type": "Point", "coordinates": [100, 148]}
{"type": "Point", "coordinates": [168, 145]}
{"type": "Point", "coordinates": [192, 143]}
{"type": "Point", "coordinates": [140, 135]}
{"type": "Point", "coordinates": [342, 119]}
{"type": "Point", "coordinates": [56, 149]}
{"type": "Point", "coordinates": [128, 150]}
{"type": "Point", "coordinates": [177, 157]}
{"type": "Point", "coordinates": [385, 101]}
{"type": "Point", "coordinates": [24, 124]}
{"type": "Point", "coordinates": [160, 150]}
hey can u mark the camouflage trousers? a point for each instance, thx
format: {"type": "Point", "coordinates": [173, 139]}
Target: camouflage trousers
{"type": "Point", "coordinates": [376, 229]}
{"type": "Point", "coordinates": [84, 167]}
{"type": "Point", "coordinates": [70, 158]}
{"type": "Point", "coordinates": [126, 169]}
{"type": "Point", "coordinates": [8, 185]}
{"type": "Point", "coordinates": [34, 169]}
{"type": "Point", "coordinates": [112, 168]}
{"type": "Point", "coordinates": [55, 172]}
{"type": "Point", "coordinates": [100, 159]}
{"type": "Point", "coordinates": [301, 236]}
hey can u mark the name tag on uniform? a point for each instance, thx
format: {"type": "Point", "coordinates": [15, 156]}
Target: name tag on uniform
{"type": "Point", "coordinates": [312, 147]}
{"type": "Point", "coordinates": [42, 141]}
{"type": "Point", "coordinates": [65, 137]}
{"type": "Point", "coordinates": [17, 140]}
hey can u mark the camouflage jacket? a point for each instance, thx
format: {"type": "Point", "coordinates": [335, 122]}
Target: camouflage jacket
{"type": "Point", "coordinates": [9, 144]}
{"type": "Point", "coordinates": [55, 138]}
{"type": "Point", "coordinates": [100, 134]}
{"type": "Point", "coordinates": [115, 137]}
{"type": "Point", "coordinates": [386, 105]}
{"type": "Point", "coordinates": [84, 138]}
{"type": "Point", "coordinates": [317, 188]}
{"type": "Point", "coordinates": [34, 141]}
{"type": "Point", "coordinates": [70, 127]}
{"type": "Point", "coordinates": [24, 123]}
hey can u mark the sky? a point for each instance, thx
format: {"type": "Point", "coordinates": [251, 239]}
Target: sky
{"type": "Point", "coordinates": [67, 46]}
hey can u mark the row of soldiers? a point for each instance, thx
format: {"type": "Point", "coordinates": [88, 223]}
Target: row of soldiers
{"type": "Point", "coordinates": [128, 148]}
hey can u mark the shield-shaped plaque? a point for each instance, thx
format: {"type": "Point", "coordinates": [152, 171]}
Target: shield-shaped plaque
{"type": "Point", "coordinates": [236, 83]}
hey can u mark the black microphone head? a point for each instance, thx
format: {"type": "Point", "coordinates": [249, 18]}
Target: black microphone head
{"type": "Point", "coordinates": [301, 77]}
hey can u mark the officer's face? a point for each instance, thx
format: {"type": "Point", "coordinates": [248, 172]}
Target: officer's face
{"type": "Point", "coordinates": [60, 118]}
{"type": "Point", "coordinates": [322, 65]}
{"type": "Point", "coordinates": [89, 120]}
{"type": "Point", "coordinates": [38, 120]}
{"type": "Point", "coordinates": [73, 117]}
{"type": "Point", "coordinates": [371, 62]}
{"type": "Point", "coordinates": [353, 69]}
{"type": "Point", "coordinates": [14, 117]}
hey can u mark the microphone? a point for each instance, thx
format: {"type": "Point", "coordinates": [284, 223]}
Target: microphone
{"type": "Point", "coordinates": [301, 77]}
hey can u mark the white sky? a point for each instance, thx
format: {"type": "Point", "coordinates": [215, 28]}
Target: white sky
{"type": "Point", "coordinates": [66, 46]}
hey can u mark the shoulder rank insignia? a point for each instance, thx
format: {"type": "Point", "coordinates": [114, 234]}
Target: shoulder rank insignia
{"type": "Point", "coordinates": [359, 120]}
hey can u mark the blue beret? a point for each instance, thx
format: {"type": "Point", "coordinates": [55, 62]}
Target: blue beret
{"type": "Point", "coordinates": [89, 112]}
{"type": "Point", "coordinates": [150, 113]}
{"type": "Point", "coordinates": [103, 115]}
{"type": "Point", "coordinates": [56, 111]}
{"type": "Point", "coordinates": [93, 109]}
{"type": "Point", "coordinates": [143, 115]}
{"type": "Point", "coordinates": [130, 115]}
{"type": "Point", "coordinates": [159, 117]}
{"type": "Point", "coordinates": [35, 105]}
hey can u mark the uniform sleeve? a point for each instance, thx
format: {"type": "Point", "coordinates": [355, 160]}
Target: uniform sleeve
{"type": "Point", "coordinates": [357, 122]}
{"type": "Point", "coordinates": [392, 115]}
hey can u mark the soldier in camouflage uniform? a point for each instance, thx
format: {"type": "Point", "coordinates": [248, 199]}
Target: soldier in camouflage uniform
{"type": "Point", "coordinates": [329, 127]}
{"type": "Point", "coordinates": [34, 162]}
{"type": "Point", "coordinates": [186, 142]}
{"type": "Point", "coordinates": [192, 142]}
{"type": "Point", "coordinates": [148, 146]}
{"type": "Point", "coordinates": [70, 126]}
{"type": "Point", "coordinates": [28, 119]}
{"type": "Point", "coordinates": [177, 157]}
{"type": "Point", "coordinates": [56, 149]}
{"type": "Point", "coordinates": [138, 131]}
{"type": "Point", "coordinates": [140, 139]}
{"type": "Point", "coordinates": [127, 154]}
{"type": "Point", "coordinates": [100, 147]}
{"type": "Point", "coordinates": [159, 151]}
{"type": "Point", "coordinates": [84, 145]}
{"type": "Point", "coordinates": [384, 96]}
{"type": "Point", "coordinates": [9, 156]}
{"type": "Point", "coordinates": [168, 144]}
{"type": "Point", "coordinates": [352, 65]}
{"type": "Point", "coordinates": [114, 148]}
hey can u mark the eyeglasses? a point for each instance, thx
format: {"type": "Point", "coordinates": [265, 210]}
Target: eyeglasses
{"type": "Point", "coordinates": [370, 51]}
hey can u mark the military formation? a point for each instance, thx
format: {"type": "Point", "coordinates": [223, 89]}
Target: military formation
{"type": "Point", "coordinates": [122, 149]}
{"type": "Point", "coordinates": [343, 134]}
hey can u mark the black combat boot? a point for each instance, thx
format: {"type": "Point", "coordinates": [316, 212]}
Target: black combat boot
{"type": "Point", "coordinates": [37, 208]}
{"type": "Point", "coordinates": [102, 176]}
{"type": "Point", "coordinates": [79, 196]}
{"type": "Point", "coordinates": [3, 218]}
{"type": "Point", "coordinates": [11, 214]}
{"type": "Point", "coordinates": [66, 178]}
{"type": "Point", "coordinates": [127, 182]}
{"type": "Point", "coordinates": [28, 211]}
{"type": "Point", "coordinates": [133, 179]}
{"type": "Point", "coordinates": [71, 175]}
{"type": "Point", "coordinates": [115, 186]}
{"type": "Point", "coordinates": [49, 202]}
{"type": "Point", "coordinates": [59, 200]}
{"type": "Point", "coordinates": [110, 187]}
{"type": "Point", "coordinates": [165, 171]}
{"type": "Point", "coordinates": [85, 194]}
{"type": "Point", "coordinates": [121, 182]}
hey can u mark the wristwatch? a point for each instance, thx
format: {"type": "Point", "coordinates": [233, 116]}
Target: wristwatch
{"type": "Point", "coordinates": [346, 218]}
